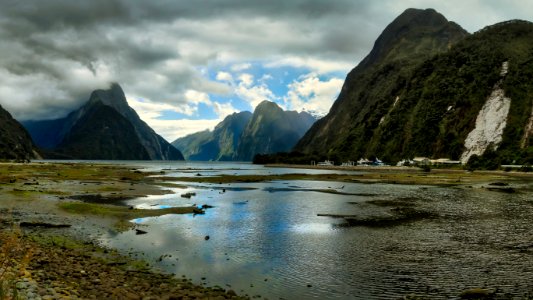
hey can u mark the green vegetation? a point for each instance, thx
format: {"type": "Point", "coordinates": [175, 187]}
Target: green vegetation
{"type": "Point", "coordinates": [293, 157]}
{"type": "Point", "coordinates": [438, 177]}
{"type": "Point", "coordinates": [395, 105]}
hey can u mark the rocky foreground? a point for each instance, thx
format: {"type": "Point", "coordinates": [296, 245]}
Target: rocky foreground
{"type": "Point", "coordinates": [43, 257]}
{"type": "Point", "coordinates": [44, 266]}
{"type": "Point", "coordinates": [43, 206]}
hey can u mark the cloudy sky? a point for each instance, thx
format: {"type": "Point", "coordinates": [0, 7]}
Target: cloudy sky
{"type": "Point", "coordinates": [185, 65]}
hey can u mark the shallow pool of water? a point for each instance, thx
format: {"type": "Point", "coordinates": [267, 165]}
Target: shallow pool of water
{"type": "Point", "coordinates": [267, 239]}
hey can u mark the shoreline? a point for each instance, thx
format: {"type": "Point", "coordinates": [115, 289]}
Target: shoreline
{"type": "Point", "coordinates": [88, 197]}
{"type": "Point", "coordinates": [46, 233]}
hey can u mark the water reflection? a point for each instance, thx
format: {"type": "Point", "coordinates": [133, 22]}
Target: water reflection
{"type": "Point", "coordinates": [274, 244]}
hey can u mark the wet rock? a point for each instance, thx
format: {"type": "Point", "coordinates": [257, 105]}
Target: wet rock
{"type": "Point", "coordinates": [43, 225]}
{"type": "Point", "coordinates": [499, 184]}
{"type": "Point", "coordinates": [188, 195]}
{"type": "Point", "coordinates": [503, 189]}
{"type": "Point", "coordinates": [476, 293]}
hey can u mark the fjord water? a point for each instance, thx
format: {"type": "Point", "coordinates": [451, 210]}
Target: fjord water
{"type": "Point", "coordinates": [266, 238]}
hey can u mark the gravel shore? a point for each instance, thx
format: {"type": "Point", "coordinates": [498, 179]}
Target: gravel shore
{"type": "Point", "coordinates": [41, 257]}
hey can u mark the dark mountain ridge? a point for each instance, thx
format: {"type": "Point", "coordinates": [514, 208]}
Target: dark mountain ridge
{"type": "Point", "coordinates": [15, 141]}
{"type": "Point", "coordinates": [86, 135]}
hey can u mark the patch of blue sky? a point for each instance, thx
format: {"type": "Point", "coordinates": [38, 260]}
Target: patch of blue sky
{"type": "Point", "coordinates": [205, 112]}
{"type": "Point", "coordinates": [276, 78]}
{"type": "Point", "coordinates": [238, 103]}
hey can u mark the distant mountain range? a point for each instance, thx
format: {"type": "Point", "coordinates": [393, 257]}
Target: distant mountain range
{"type": "Point", "coordinates": [428, 88]}
{"type": "Point", "coordinates": [15, 142]}
{"type": "Point", "coordinates": [106, 127]}
{"type": "Point", "coordinates": [242, 135]}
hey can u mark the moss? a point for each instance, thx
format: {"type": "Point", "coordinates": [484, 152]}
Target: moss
{"type": "Point", "coordinates": [62, 241]}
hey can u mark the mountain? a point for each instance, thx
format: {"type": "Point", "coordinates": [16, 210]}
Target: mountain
{"type": "Point", "coordinates": [271, 130]}
{"type": "Point", "coordinates": [462, 97]}
{"type": "Point", "coordinates": [105, 127]}
{"type": "Point", "coordinates": [102, 133]}
{"type": "Point", "coordinates": [373, 87]}
{"type": "Point", "coordinates": [15, 142]}
{"type": "Point", "coordinates": [241, 136]}
{"type": "Point", "coordinates": [475, 99]}
{"type": "Point", "coordinates": [217, 145]}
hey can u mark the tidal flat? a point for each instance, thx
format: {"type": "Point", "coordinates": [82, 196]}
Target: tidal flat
{"type": "Point", "coordinates": [273, 232]}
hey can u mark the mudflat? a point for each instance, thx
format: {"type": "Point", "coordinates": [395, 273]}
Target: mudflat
{"type": "Point", "coordinates": [42, 204]}
{"type": "Point", "coordinates": [42, 256]}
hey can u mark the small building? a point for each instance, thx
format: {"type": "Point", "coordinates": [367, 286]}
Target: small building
{"type": "Point", "coordinates": [364, 162]}
{"type": "Point", "coordinates": [445, 161]}
{"type": "Point", "coordinates": [326, 163]}
{"type": "Point", "coordinates": [421, 161]}
{"type": "Point", "coordinates": [405, 162]}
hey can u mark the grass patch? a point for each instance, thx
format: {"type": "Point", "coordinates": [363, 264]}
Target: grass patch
{"type": "Point", "coordinates": [400, 176]}
{"type": "Point", "coordinates": [57, 241]}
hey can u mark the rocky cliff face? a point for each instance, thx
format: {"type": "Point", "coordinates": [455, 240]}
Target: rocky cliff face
{"type": "Point", "coordinates": [490, 122]}
{"type": "Point", "coordinates": [272, 130]}
{"type": "Point", "coordinates": [217, 145]}
{"type": "Point", "coordinates": [15, 142]}
{"type": "Point", "coordinates": [57, 134]}
{"type": "Point", "coordinates": [452, 101]}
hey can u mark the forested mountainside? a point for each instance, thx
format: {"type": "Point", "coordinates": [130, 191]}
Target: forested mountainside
{"type": "Point", "coordinates": [428, 88]}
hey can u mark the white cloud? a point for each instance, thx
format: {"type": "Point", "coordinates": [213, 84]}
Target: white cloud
{"type": "Point", "coordinates": [314, 64]}
{"type": "Point", "coordinates": [246, 79]}
{"type": "Point", "coordinates": [254, 94]}
{"type": "Point", "coordinates": [240, 67]}
{"type": "Point", "coordinates": [173, 129]}
{"type": "Point", "coordinates": [150, 112]}
{"type": "Point", "coordinates": [224, 76]}
{"type": "Point", "coordinates": [223, 109]}
{"type": "Point", "coordinates": [311, 94]}
{"type": "Point", "coordinates": [196, 97]}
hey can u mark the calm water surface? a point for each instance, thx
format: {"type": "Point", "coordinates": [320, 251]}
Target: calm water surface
{"type": "Point", "coordinates": [266, 238]}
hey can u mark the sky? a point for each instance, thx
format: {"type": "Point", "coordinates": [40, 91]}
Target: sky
{"type": "Point", "coordinates": [185, 65]}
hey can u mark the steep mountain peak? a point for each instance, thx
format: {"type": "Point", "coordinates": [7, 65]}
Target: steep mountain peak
{"type": "Point", "coordinates": [114, 97]}
{"type": "Point", "coordinates": [113, 112]}
{"type": "Point", "coordinates": [402, 37]}
{"type": "Point", "coordinates": [370, 89]}
{"type": "Point", "coordinates": [266, 105]}
{"type": "Point", "coordinates": [240, 117]}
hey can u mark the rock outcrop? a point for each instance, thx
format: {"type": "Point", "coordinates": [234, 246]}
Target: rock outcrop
{"type": "Point", "coordinates": [15, 142]}
{"type": "Point", "coordinates": [490, 122]}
